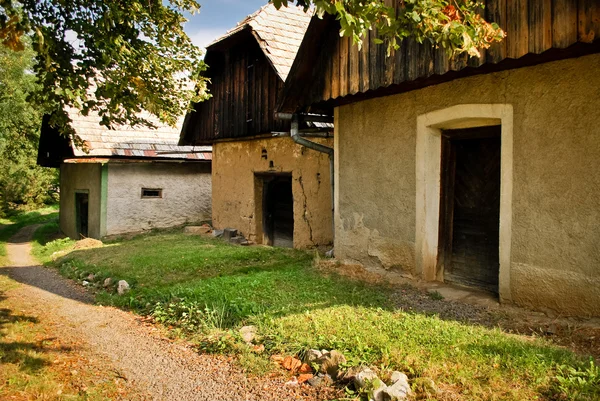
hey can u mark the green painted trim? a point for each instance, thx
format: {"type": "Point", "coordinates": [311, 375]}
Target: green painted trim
{"type": "Point", "coordinates": [103, 198]}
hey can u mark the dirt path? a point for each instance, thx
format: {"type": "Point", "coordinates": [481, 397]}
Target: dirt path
{"type": "Point", "coordinates": [150, 363]}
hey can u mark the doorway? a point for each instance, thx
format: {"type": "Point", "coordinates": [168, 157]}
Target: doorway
{"type": "Point", "coordinates": [470, 207]}
{"type": "Point", "coordinates": [278, 210]}
{"type": "Point", "coordinates": [81, 214]}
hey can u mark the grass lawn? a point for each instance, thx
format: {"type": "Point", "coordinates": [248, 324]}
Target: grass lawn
{"type": "Point", "coordinates": [9, 226]}
{"type": "Point", "coordinates": [206, 289]}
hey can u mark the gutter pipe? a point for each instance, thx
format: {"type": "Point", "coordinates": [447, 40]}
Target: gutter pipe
{"type": "Point", "coordinates": [295, 135]}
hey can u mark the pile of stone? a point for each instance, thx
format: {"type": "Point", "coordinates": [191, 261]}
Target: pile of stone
{"type": "Point", "coordinates": [324, 368]}
{"type": "Point", "coordinates": [230, 235]}
{"type": "Point", "coordinates": [98, 281]}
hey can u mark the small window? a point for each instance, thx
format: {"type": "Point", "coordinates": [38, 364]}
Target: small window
{"type": "Point", "coordinates": [151, 193]}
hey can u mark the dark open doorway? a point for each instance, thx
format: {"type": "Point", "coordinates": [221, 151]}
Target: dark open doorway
{"type": "Point", "coordinates": [470, 207]}
{"type": "Point", "coordinates": [81, 214]}
{"type": "Point", "coordinates": [278, 210]}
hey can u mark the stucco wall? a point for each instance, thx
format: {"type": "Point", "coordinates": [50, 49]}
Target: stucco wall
{"type": "Point", "coordinates": [186, 195]}
{"type": "Point", "coordinates": [74, 177]}
{"type": "Point", "coordinates": [555, 257]}
{"type": "Point", "coordinates": [236, 188]}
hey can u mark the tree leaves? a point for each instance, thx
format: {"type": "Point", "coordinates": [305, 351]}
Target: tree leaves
{"type": "Point", "coordinates": [22, 182]}
{"type": "Point", "coordinates": [453, 25]}
{"type": "Point", "coordinates": [117, 58]}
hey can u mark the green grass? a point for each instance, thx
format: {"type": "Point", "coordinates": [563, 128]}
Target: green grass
{"type": "Point", "coordinates": [44, 245]}
{"type": "Point", "coordinates": [9, 226]}
{"type": "Point", "coordinates": [206, 289]}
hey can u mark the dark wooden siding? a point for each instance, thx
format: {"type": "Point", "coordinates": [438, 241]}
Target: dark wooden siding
{"type": "Point", "coordinates": [244, 88]}
{"type": "Point", "coordinates": [532, 26]}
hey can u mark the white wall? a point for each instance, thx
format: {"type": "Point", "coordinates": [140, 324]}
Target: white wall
{"type": "Point", "coordinates": [186, 195]}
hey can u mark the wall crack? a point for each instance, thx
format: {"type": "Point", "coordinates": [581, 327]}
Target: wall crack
{"type": "Point", "coordinates": [305, 210]}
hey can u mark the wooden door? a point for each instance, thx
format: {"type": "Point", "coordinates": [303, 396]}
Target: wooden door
{"type": "Point", "coordinates": [81, 214]}
{"type": "Point", "coordinates": [470, 207]}
{"type": "Point", "coordinates": [279, 211]}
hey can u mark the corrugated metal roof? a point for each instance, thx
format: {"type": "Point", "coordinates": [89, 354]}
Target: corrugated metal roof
{"type": "Point", "coordinates": [126, 141]}
{"type": "Point", "coordinates": [278, 32]}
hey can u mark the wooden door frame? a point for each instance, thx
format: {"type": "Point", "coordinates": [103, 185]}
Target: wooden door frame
{"type": "Point", "coordinates": [428, 183]}
{"type": "Point", "coordinates": [261, 195]}
{"type": "Point", "coordinates": [447, 187]}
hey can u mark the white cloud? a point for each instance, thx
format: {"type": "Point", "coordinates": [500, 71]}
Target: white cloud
{"type": "Point", "coordinates": [203, 37]}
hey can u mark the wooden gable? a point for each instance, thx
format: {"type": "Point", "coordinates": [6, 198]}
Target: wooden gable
{"type": "Point", "coordinates": [244, 88]}
{"type": "Point", "coordinates": [330, 70]}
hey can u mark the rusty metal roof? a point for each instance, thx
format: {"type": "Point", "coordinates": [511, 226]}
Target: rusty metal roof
{"type": "Point", "coordinates": [278, 32]}
{"type": "Point", "coordinates": [125, 141]}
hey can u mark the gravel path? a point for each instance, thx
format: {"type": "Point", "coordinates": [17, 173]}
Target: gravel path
{"type": "Point", "coordinates": [164, 369]}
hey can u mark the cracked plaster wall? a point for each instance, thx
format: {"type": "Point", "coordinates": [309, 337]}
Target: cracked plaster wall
{"type": "Point", "coordinates": [236, 188]}
{"type": "Point", "coordinates": [555, 259]}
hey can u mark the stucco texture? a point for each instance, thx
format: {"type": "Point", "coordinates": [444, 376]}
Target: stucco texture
{"type": "Point", "coordinates": [237, 187]}
{"type": "Point", "coordinates": [555, 257]}
{"type": "Point", "coordinates": [80, 177]}
{"type": "Point", "coordinates": [186, 195]}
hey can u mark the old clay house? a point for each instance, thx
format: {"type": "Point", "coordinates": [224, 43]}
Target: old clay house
{"type": "Point", "coordinates": [126, 180]}
{"type": "Point", "coordinates": [271, 189]}
{"type": "Point", "coordinates": [480, 172]}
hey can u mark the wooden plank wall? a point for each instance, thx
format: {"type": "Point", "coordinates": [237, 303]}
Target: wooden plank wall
{"type": "Point", "coordinates": [235, 101]}
{"type": "Point", "coordinates": [532, 26]}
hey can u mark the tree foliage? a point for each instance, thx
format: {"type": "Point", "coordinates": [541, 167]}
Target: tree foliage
{"type": "Point", "coordinates": [117, 58]}
{"type": "Point", "coordinates": [455, 25]}
{"type": "Point", "coordinates": [22, 182]}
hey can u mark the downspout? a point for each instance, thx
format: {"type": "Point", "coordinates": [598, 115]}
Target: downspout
{"type": "Point", "coordinates": [295, 134]}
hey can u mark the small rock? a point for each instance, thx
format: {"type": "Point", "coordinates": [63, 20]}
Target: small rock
{"type": "Point", "coordinates": [330, 253]}
{"type": "Point", "coordinates": [362, 378]}
{"type": "Point", "coordinates": [229, 233]}
{"type": "Point", "coordinates": [246, 243]}
{"type": "Point", "coordinates": [248, 333]}
{"type": "Point", "coordinates": [303, 378]}
{"type": "Point", "coordinates": [237, 240]}
{"type": "Point", "coordinates": [108, 282]}
{"type": "Point", "coordinates": [293, 382]}
{"type": "Point", "coordinates": [91, 277]}
{"type": "Point", "coordinates": [312, 355]}
{"type": "Point", "coordinates": [305, 368]}
{"type": "Point", "coordinates": [217, 233]}
{"type": "Point", "coordinates": [399, 390]}
{"type": "Point", "coordinates": [122, 287]}
{"type": "Point", "coordinates": [291, 363]}
{"type": "Point", "coordinates": [85, 283]}
{"type": "Point", "coordinates": [379, 393]}
{"type": "Point", "coordinates": [315, 381]}
{"type": "Point", "coordinates": [397, 376]}
{"type": "Point", "coordinates": [330, 363]}
{"type": "Point", "coordinates": [320, 380]}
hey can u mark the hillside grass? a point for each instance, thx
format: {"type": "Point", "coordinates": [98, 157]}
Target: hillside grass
{"type": "Point", "coordinates": [205, 290]}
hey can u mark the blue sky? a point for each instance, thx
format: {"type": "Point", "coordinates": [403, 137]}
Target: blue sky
{"type": "Point", "coordinates": [217, 16]}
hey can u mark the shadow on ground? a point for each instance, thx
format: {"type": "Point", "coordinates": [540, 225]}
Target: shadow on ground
{"type": "Point", "coordinates": [28, 355]}
{"type": "Point", "coordinates": [47, 280]}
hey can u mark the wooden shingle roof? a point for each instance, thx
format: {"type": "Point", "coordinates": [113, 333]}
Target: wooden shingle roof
{"type": "Point", "coordinates": [278, 32]}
